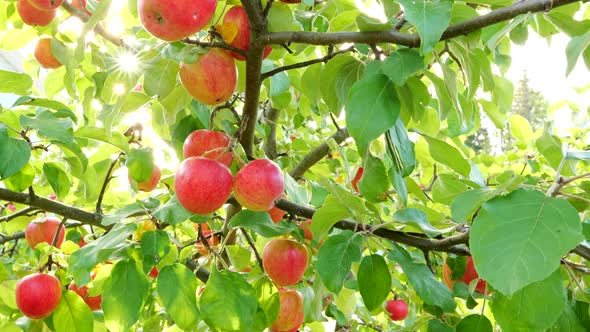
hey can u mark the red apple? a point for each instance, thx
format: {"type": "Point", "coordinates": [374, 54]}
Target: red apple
{"type": "Point", "coordinates": [11, 207]}
{"type": "Point", "coordinates": [46, 4]}
{"type": "Point", "coordinates": [52, 197]}
{"type": "Point", "coordinates": [236, 31]}
{"type": "Point", "coordinates": [37, 295]}
{"type": "Point", "coordinates": [259, 184]}
{"type": "Point", "coordinates": [32, 15]}
{"type": "Point", "coordinates": [202, 185]}
{"type": "Point", "coordinates": [276, 214]}
{"type": "Point", "coordinates": [44, 54]}
{"type": "Point", "coordinates": [208, 144]}
{"type": "Point", "coordinates": [172, 20]}
{"type": "Point", "coordinates": [93, 302]}
{"type": "Point", "coordinates": [398, 309]}
{"type": "Point", "coordinates": [212, 79]}
{"type": "Point", "coordinates": [154, 272]}
{"type": "Point", "coordinates": [357, 177]}
{"type": "Point", "coordinates": [290, 311]}
{"type": "Point", "coordinates": [306, 231]}
{"type": "Point", "coordinates": [151, 183]}
{"type": "Point", "coordinates": [43, 230]}
{"type": "Point", "coordinates": [284, 261]}
{"type": "Point", "coordinates": [467, 278]}
{"type": "Point", "coordinates": [81, 5]}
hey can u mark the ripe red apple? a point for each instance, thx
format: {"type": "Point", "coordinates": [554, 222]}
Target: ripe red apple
{"type": "Point", "coordinates": [202, 185]}
{"type": "Point", "coordinates": [212, 78]}
{"type": "Point", "coordinates": [290, 311]}
{"type": "Point", "coordinates": [304, 225]}
{"type": "Point", "coordinates": [46, 4]}
{"type": "Point", "coordinates": [43, 230]}
{"type": "Point", "coordinates": [172, 20]}
{"type": "Point", "coordinates": [208, 144]}
{"type": "Point", "coordinates": [398, 309]}
{"type": "Point", "coordinates": [151, 183]}
{"type": "Point", "coordinates": [32, 15]}
{"type": "Point", "coordinates": [467, 278]}
{"type": "Point", "coordinates": [154, 272]}
{"type": "Point", "coordinates": [236, 31]}
{"type": "Point", "coordinates": [37, 295]}
{"type": "Point", "coordinates": [284, 261]}
{"type": "Point", "coordinates": [356, 179]}
{"type": "Point", "coordinates": [93, 302]}
{"type": "Point", "coordinates": [276, 214]}
{"type": "Point", "coordinates": [44, 54]}
{"type": "Point", "coordinates": [213, 240]}
{"type": "Point", "coordinates": [81, 5]}
{"type": "Point", "coordinates": [259, 184]}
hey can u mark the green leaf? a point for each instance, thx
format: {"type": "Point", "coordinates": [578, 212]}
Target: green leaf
{"type": "Point", "coordinates": [402, 64]}
{"type": "Point", "coordinates": [520, 128]}
{"type": "Point", "coordinates": [417, 217]}
{"type": "Point", "coordinates": [172, 212]}
{"type": "Point", "coordinates": [430, 18]}
{"type": "Point", "coordinates": [367, 23]}
{"type": "Point", "coordinates": [229, 303]}
{"type": "Point", "coordinates": [160, 78]}
{"type": "Point", "coordinates": [374, 183]}
{"type": "Point", "coordinates": [327, 215]}
{"type": "Point", "coordinates": [533, 308]}
{"type": "Point", "coordinates": [154, 246]}
{"type": "Point", "coordinates": [21, 180]}
{"type": "Point", "coordinates": [568, 321]}
{"type": "Point", "coordinates": [466, 203]}
{"type": "Point", "coordinates": [551, 148]}
{"type": "Point", "coordinates": [58, 179]}
{"type": "Point", "coordinates": [574, 49]}
{"type": "Point", "coordinates": [238, 256]}
{"type": "Point", "coordinates": [137, 207]}
{"type": "Point", "coordinates": [124, 295]}
{"type": "Point", "coordinates": [84, 260]}
{"type": "Point", "coordinates": [436, 325]}
{"type": "Point", "coordinates": [50, 126]}
{"type": "Point", "coordinates": [15, 154]}
{"type": "Point", "coordinates": [447, 188]}
{"type": "Point", "coordinates": [371, 109]}
{"type": "Point", "coordinates": [296, 192]}
{"type": "Point", "coordinates": [177, 287]}
{"type": "Point", "coordinates": [40, 102]}
{"type": "Point", "coordinates": [335, 259]}
{"type": "Point", "coordinates": [508, 233]}
{"type": "Point", "coordinates": [280, 18]}
{"type": "Point", "coordinates": [475, 323]}
{"type": "Point", "coordinates": [11, 82]}
{"type": "Point", "coordinates": [72, 314]}
{"type": "Point", "coordinates": [374, 281]}
{"type": "Point", "coordinates": [140, 163]}
{"type": "Point", "coordinates": [99, 134]}
{"type": "Point", "coordinates": [430, 290]}
{"type": "Point", "coordinates": [401, 148]}
{"type": "Point", "coordinates": [448, 155]}
{"type": "Point", "coordinates": [261, 223]}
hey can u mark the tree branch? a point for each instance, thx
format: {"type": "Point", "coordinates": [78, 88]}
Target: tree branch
{"type": "Point", "coordinates": [29, 211]}
{"type": "Point", "coordinates": [331, 54]}
{"type": "Point", "coordinates": [214, 44]}
{"type": "Point", "coordinates": [317, 154]}
{"type": "Point", "coordinates": [271, 115]}
{"type": "Point", "coordinates": [106, 181]}
{"type": "Point", "coordinates": [413, 40]}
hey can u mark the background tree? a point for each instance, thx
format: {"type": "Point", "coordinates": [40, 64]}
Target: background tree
{"type": "Point", "coordinates": [326, 185]}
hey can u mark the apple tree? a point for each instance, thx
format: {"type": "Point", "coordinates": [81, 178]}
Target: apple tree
{"type": "Point", "coordinates": [224, 165]}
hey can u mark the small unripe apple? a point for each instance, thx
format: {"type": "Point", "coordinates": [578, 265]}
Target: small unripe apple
{"type": "Point", "coordinates": [276, 214]}
{"type": "Point", "coordinates": [212, 79]}
{"type": "Point", "coordinates": [37, 295]}
{"type": "Point", "coordinates": [259, 184]}
{"type": "Point", "coordinates": [357, 177]}
{"type": "Point", "coordinates": [236, 31]}
{"type": "Point", "coordinates": [173, 20]}
{"type": "Point", "coordinates": [208, 144]}
{"type": "Point", "coordinates": [43, 230]}
{"type": "Point", "coordinates": [469, 275]}
{"type": "Point", "coordinates": [202, 185]}
{"type": "Point", "coordinates": [284, 261]}
{"type": "Point", "coordinates": [154, 272]}
{"type": "Point", "coordinates": [151, 183]}
{"type": "Point", "coordinates": [46, 4]}
{"type": "Point", "coordinates": [398, 309]}
{"type": "Point", "coordinates": [32, 15]}
{"type": "Point", "coordinates": [93, 302]}
{"type": "Point", "coordinates": [44, 54]}
{"type": "Point", "coordinates": [290, 311]}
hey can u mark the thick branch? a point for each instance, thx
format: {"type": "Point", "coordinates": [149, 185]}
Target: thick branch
{"type": "Point", "coordinates": [413, 40]}
{"type": "Point", "coordinates": [317, 154]}
{"type": "Point", "coordinates": [48, 205]}
{"type": "Point", "coordinates": [582, 251]}
{"type": "Point", "coordinates": [325, 58]}
{"type": "Point", "coordinates": [453, 244]}
{"type": "Point", "coordinates": [200, 272]}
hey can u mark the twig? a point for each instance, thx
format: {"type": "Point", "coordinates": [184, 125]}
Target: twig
{"type": "Point", "coordinates": [105, 183]}
{"type": "Point", "coordinates": [28, 211]}
{"type": "Point", "coordinates": [251, 243]}
{"type": "Point", "coordinates": [58, 231]}
{"type": "Point", "coordinates": [218, 44]}
{"type": "Point", "coordinates": [331, 54]}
